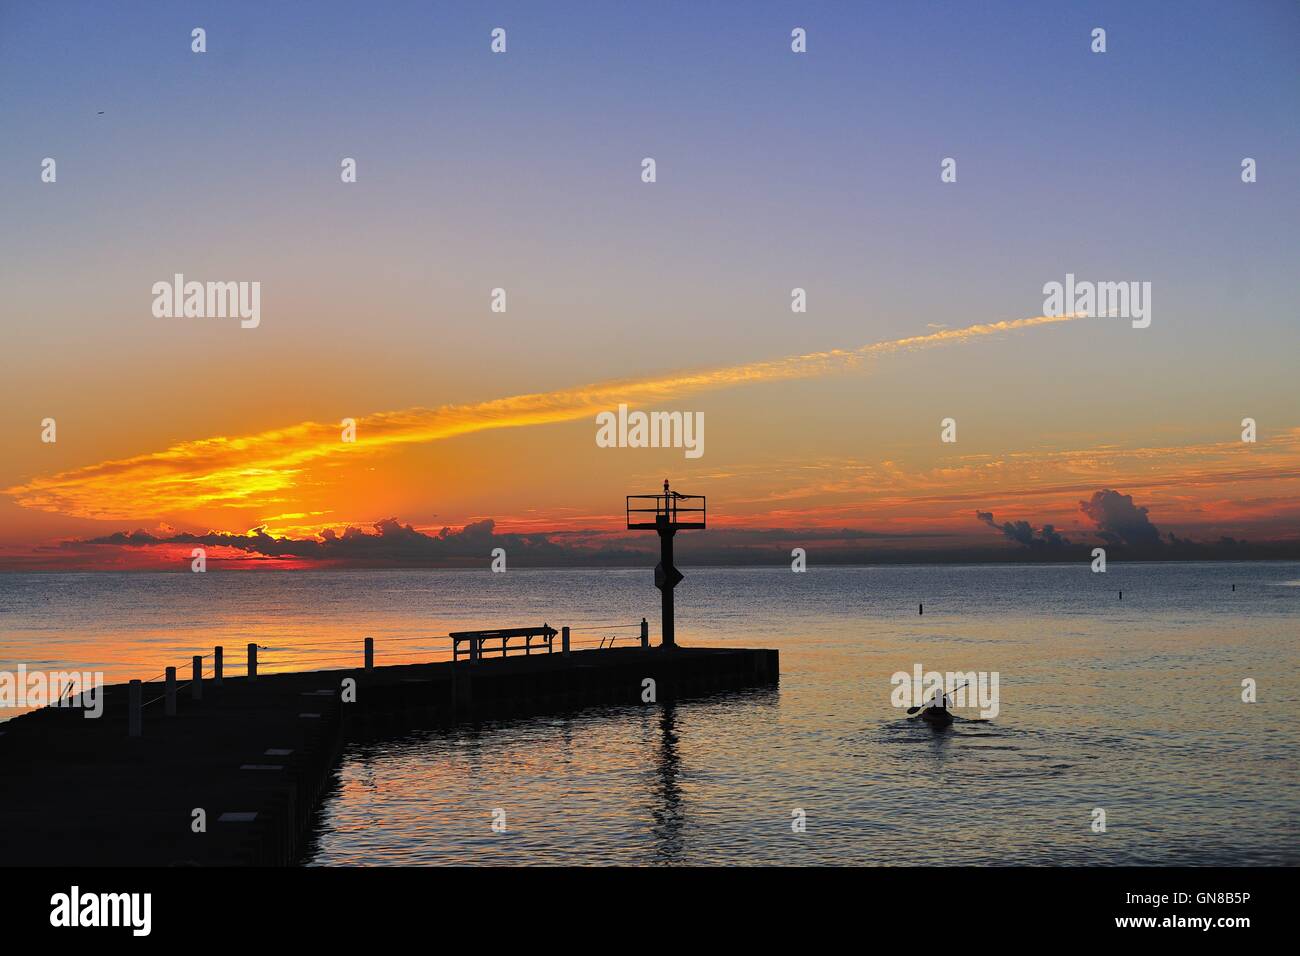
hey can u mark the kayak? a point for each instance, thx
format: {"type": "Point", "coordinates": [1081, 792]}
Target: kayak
{"type": "Point", "coordinates": [936, 717]}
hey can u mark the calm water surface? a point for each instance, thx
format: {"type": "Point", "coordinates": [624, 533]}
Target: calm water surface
{"type": "Point", "coordinates": [1131, 706]}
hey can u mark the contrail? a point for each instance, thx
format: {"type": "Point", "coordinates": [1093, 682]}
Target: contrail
{"type": "Point", "coordinates": [242, 472]}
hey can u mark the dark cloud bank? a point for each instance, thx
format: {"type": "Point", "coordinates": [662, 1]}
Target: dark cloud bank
{"type": "Point", "coordinates": [1023, 533]}
{"type": "Point", "coordinates": [1125, 529]}
{"type": "Point", "coordinates": [393, 544]}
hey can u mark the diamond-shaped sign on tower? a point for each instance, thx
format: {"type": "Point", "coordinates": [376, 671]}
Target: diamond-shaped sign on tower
{"type": "Point", "coordinates": [672, 577]}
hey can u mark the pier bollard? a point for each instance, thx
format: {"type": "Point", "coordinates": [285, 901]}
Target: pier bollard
{"type": "Point", "coordinates": [170, 691]}
{"type": "Point", "coordinates": [196, 683]}
{"type": "Point", "coordinates": [645, 633]}
{"type": "Point", "coordinates": [370, 653]}
{"type": "Point", "coordinates": [252, 662]}
{"type": "Point", "coordinates": [218, 663]}
{"type": "Point", "coordinates": [133, 715]}
{"type": "Point", "coordinates": [564, 641]}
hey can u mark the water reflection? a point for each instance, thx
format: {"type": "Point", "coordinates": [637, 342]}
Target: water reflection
{"type": "Point", "coordinates": [667, 807]}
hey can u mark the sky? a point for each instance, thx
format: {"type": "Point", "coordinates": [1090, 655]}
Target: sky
{"type": "Point", "coordinates": [522, 171]}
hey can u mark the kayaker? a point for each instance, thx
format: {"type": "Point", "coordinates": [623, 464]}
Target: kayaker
{"type": "Point", "coordinates": [938, 712]}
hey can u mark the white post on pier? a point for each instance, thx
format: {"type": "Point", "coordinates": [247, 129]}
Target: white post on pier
{"type": "Point", "coordinates": [564, 640]}
{"type": "Point", "coordinates": [170, 692]}
{"type": "Point", "coordinates": [133, 715]}
{"type": "Point", "coordinates": [218, 663]}
{"type": "Point", "coordinates": [252, 662]}
{"type": "Point", "coordinates": [370, 653]}
{"type": "Point", "coordinates": [196, 682]}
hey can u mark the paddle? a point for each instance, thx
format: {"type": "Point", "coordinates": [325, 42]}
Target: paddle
{"type": "Point", "coordinates": [913, 710]}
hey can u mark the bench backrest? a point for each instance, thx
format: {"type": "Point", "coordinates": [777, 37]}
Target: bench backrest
{"type": "Point", "coordinates": [503, 634]}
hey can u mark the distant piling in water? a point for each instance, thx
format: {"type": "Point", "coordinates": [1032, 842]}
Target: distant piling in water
{"type": "Point", "coordinates": [920, 609]}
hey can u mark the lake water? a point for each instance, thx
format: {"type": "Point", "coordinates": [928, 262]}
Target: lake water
{"type": "Point", "coordinates": [1133, 707]}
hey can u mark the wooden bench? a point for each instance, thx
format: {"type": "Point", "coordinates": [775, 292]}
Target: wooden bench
{"type": "Point", "coordinates": [543, 635]}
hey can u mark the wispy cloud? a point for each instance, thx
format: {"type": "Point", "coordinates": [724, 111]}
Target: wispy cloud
{"type": "Point", "coordinates": [257, 471]}
{"type": "Point", "coordinates": [1037, 473]}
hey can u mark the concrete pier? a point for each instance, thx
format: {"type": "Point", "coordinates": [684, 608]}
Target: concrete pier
{"type": "Point", "coordinates": [236, 775]}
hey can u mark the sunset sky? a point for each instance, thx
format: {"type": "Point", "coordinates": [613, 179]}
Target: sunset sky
{"type": "Point", "coordinates": [523, 171]}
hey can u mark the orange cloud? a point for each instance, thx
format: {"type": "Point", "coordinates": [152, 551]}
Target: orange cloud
{"type": "Point", "coordinates": [258, 471]}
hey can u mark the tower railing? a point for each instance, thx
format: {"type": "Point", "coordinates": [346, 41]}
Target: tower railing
{"type": "Point", "coordinates": [646, 512]}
